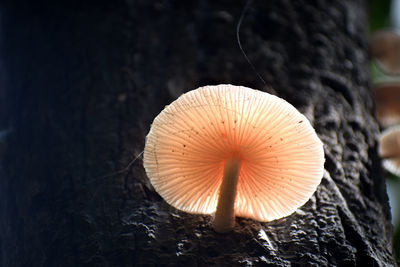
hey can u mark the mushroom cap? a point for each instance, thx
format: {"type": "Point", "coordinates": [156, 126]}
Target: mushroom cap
{"type": "Point", "coordinates": [385, 47]}
{"type": "Point", "coordinates": [387, 97]}
{"type": "Point", "coordinates": [389, 148]}
{"type": "Point", "coordinates": [282, 158]}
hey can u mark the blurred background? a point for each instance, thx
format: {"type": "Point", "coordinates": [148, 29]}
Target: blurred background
{"type": "Point", "coordinates": [385, 72]}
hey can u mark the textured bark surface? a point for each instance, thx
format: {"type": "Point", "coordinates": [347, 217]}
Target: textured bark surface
{"type": "Point", "coordinates": [81, 84]}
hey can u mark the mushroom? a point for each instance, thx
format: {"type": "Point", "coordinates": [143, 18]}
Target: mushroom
{"type": "Point", "coordinates": [385, 47]}
{"type": "Point", "coordinates": [234, 151]}
{"type": "Point", "coordinates": [387, 97]}
{"type": "Point", "coordinates": [389, 149]}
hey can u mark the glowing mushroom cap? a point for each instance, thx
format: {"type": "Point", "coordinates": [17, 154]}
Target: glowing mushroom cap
{"type": "Point", "coordinates": [191, 139]}
{"type": "Point", "coordinates": [389, 149]}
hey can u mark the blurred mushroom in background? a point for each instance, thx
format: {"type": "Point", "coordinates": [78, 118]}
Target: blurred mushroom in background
{"type": "Point", "coordinates": [384, 47]}
{"type": "Point", "coordinates": [387, 96]}
{"type": "Point", "coordinates": [389, 149]}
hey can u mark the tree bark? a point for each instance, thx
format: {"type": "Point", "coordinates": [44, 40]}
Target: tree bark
{"type": "Point", "coordinates": [82, 82]}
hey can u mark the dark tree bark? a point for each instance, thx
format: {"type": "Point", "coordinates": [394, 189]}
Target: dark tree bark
{"type": "Point", "coordinates": [81, 84]}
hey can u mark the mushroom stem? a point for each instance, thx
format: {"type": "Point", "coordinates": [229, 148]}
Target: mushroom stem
{"type": "Point", "coordinates": [224, 219]}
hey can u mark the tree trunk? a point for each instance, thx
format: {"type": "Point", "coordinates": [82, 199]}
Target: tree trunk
{"type": "Point", "coordinates": [81, 83]}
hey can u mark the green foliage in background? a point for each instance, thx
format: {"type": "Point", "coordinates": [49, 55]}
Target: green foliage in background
{"type": "Point", "coordinates": [379, 11]}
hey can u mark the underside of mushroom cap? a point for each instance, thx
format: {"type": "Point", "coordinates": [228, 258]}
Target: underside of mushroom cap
{"type": "Point", "coordinates": [191, 139]}
{"type": "Point", "coordinates": [389, 149]}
